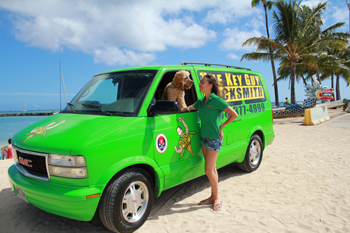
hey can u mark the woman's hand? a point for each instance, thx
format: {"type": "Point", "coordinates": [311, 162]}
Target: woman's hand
{"type": "Point", "coordinates": [233, 115]}
{"type": "Point", "coordinates": [221, 133]}
{"type": "Point", "coordinates": [191, 108]}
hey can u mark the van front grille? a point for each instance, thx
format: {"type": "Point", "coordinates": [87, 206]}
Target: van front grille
{"type": "Point", "coordinates": [32, 164]}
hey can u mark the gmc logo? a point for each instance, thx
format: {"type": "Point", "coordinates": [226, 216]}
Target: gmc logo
{"type": "Point", "coordinates": [24, 162]}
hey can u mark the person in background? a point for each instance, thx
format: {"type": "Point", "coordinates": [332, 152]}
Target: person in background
{"type": "Point", "coordinates": [7, 151]}
{"type": "Point", "coordinates": [210, 108]}
{"type": "Point", "coordinates": [287, 102]}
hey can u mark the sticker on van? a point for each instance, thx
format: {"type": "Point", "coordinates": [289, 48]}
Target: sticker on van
{"type": "Point", "coordinates": [42, 130]}
{"type": "Point", "coordinates": [236, 87]}
{"type": "Point", "coordinates": [185, 140]}
{"type": "Point", "coordinates": [161, 143]}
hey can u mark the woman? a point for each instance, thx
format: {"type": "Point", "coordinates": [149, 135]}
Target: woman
{"type": "Point", "coordinates": [210, 108]}
{"type": "Point", "coordinates": [7, 151]}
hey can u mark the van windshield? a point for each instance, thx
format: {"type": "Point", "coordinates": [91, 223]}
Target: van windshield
{"type": "Point", "coordinates": [119, 94]}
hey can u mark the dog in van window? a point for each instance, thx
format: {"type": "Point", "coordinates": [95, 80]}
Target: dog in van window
{"type": "Point", "coordinates": [175, 90]}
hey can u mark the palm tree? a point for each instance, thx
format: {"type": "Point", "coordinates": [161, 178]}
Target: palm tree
{"type": "Point", "coordinates": [284, 71]}
{"type": "Point", "coordinates": [268, 5]}
{"type": "Point", "coordinates": [340, 68]}
{"type": "Point", "coordinates": [293, 32]}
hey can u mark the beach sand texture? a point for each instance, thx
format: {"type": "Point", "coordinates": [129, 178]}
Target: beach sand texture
{"type": "Point", "coordinates": [302, 185]}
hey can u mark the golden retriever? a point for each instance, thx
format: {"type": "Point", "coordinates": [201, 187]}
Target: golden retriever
{"type": "Point", "coordinates": [175, 90]}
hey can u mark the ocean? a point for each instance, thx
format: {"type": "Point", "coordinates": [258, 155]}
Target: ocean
{"type": "Point", "coordinates": [9, 126]}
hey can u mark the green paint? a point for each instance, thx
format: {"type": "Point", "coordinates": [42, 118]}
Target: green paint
{"type": "Point", "coordinates": [111, 127]}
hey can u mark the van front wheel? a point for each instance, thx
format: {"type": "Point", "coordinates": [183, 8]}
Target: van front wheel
{"type": "Point", "coordinates": [127, 201]}
{"type": "Point", "coordinates": [253, 155]}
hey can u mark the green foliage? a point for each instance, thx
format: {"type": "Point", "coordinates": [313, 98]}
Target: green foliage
{"type": "Point", "coordinates": [300, 44]}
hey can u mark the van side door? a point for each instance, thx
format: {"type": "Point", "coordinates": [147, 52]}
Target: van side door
{"type": "Point", "coordinates": [176, 137]}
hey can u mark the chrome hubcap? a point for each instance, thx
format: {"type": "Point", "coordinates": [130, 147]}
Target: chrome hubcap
{"type": "Point", "coordinates": [254, 152]}
{"type": "Point", "coordinates": [135, 201]}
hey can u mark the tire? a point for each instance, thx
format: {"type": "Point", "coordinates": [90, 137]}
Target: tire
{"type": "Point", "coordinates": [253, 155]}
{"type": "Point", "coordinates": [127, 201]}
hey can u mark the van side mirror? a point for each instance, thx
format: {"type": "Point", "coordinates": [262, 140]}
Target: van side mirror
{"type": "Point", "coordinates": [164, 107]}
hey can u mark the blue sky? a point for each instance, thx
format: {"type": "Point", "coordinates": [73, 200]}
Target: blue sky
{"type": "Point", "coordinates": [89, 37]}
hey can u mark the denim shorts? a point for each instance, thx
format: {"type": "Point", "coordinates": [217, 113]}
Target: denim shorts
{"type": "Point", "coordinates": [211, 144]}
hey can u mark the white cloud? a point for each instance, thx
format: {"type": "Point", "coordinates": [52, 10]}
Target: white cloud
{"type": "Point", "coordinates": [113, 55]}
{"type": "Point", "coordinates": [226, 11]}
{"type": "Point", "coordinates": [234, 38]}
{"type": "Point", "coordinates": [340, 14]}
{"type": "Point", "coordinates": [233, 56]}
{"type": "Point", "coordinates": [312, 3]}
{"type": "Point", "coordinates": [143, 27]}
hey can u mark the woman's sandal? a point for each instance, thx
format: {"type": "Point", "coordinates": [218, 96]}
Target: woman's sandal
{"type": "Point", "coordinates": [206, 202]}
{"type": "Point", "coordinates": [217, 206]}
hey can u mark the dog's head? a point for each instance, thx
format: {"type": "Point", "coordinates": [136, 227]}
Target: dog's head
{"type": "Point", "coordinates": [182, 80]}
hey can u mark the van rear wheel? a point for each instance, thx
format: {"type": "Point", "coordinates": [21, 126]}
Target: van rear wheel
{"type": "Point", "coordinates": [253, 155]}
{"type": "Point", "coordinates": [127, 201]}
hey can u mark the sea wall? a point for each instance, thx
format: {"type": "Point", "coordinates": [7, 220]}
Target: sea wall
{"type": "Point", "coordinates": [27, 114]}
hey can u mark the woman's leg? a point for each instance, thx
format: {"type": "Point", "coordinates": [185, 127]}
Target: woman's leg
{"type": "Point", "coordinates": [4, 154]}
{"type": "Point", "coordinates": [212, 173]}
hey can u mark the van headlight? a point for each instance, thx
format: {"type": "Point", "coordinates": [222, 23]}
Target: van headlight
{"type": "Point", "coordinates": [14, 154]}
{"type": "Point", "coordinates": [67, 166]}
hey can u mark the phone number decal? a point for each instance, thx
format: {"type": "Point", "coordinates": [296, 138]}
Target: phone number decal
{"type": "Point", "coordinates": [246, 109]}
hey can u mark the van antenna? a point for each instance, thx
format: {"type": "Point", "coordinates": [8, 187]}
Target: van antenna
{"type": "Point", "coordinates": [64, 88]}
{"type": "Point", "coordinates": [60, 84]}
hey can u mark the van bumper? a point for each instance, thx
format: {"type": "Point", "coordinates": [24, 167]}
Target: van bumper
{"type": "Point", "coordinates": [269, 137]}
{"type": "Point", "coordinates": [62, 200]}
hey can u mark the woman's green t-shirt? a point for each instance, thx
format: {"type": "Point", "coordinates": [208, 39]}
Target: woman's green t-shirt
{"type": "Point", "coordinates": [210, 115]}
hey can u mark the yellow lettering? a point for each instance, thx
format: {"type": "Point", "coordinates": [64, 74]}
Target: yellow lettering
{"type": "Point", "coordinates": [255, 92]}
{"type": "Point", "coordinates": [240, 79]}
{"type": "Point", "coordinates": [218, 77]}
{"type": "Point", "coordinates": [202, 74]}
{"type": "Point", "coordinates": [247, 80]}
{"type": "Point", "coordinates": [252, 80]}
{"type": "Point", "coordinates": [236, 93]}
{"type": "Point", "coordinates": [228, 79]}
{"type": "Point", "coordinates": [257, 80]}
{"type": "Point", "coordinates": [234, 79]}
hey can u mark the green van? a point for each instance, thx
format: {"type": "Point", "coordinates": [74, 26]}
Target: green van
{"type": "Point", "coordinates": [116, 146]}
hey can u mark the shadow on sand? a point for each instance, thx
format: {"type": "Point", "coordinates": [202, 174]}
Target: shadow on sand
{"type": "Point", "coordinates": [23, 213]}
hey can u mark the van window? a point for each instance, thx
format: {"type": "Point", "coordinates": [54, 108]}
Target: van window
{"type": "Point", "coordinates": [236, 87]}
{"type": "Point", "coordinates": [104, 87]}
{"type": "Point", "coordinates": [117, 93]}
{"type": "Point", "coordinates": [190, 95]}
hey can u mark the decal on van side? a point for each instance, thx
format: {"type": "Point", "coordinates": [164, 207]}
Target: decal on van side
{"type": "Point", "coordinates": [236, 87]}
{"type": "Point", "coordinates": [185, 138]}
{"type": "Point", "coordinates": [161, 143]}
{"type": "Point", "coordinates": [42, 130]}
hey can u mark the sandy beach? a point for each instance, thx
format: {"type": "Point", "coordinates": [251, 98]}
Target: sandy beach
{"type": "Point", "coordinates": [302, 185]}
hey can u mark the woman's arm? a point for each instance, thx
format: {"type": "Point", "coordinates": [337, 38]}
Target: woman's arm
{"type": "Point", "coordinates": [191, 108]}
{"type": "Point", "coordinates": [5, 147]}
{"type": "Point", "coordinates": [233, 115]}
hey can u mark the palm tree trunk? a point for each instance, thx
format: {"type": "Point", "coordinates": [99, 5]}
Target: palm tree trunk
{"type": "Point", "coordinates": [272, 62]}
{"type": "Point", "coordinates": [304, 81]}
{"type": "Point", "coordinates": [292, 84]}
{"type": "Point", "coordinates": [275, 81]}
{"type": "Point", "coordinates": [337, 88]}
{"type": "Point", "coordinates": [332, 80]}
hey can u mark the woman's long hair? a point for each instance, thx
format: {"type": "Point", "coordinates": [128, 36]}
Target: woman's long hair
{"type": "Point", "coordinates": [214, 82]}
